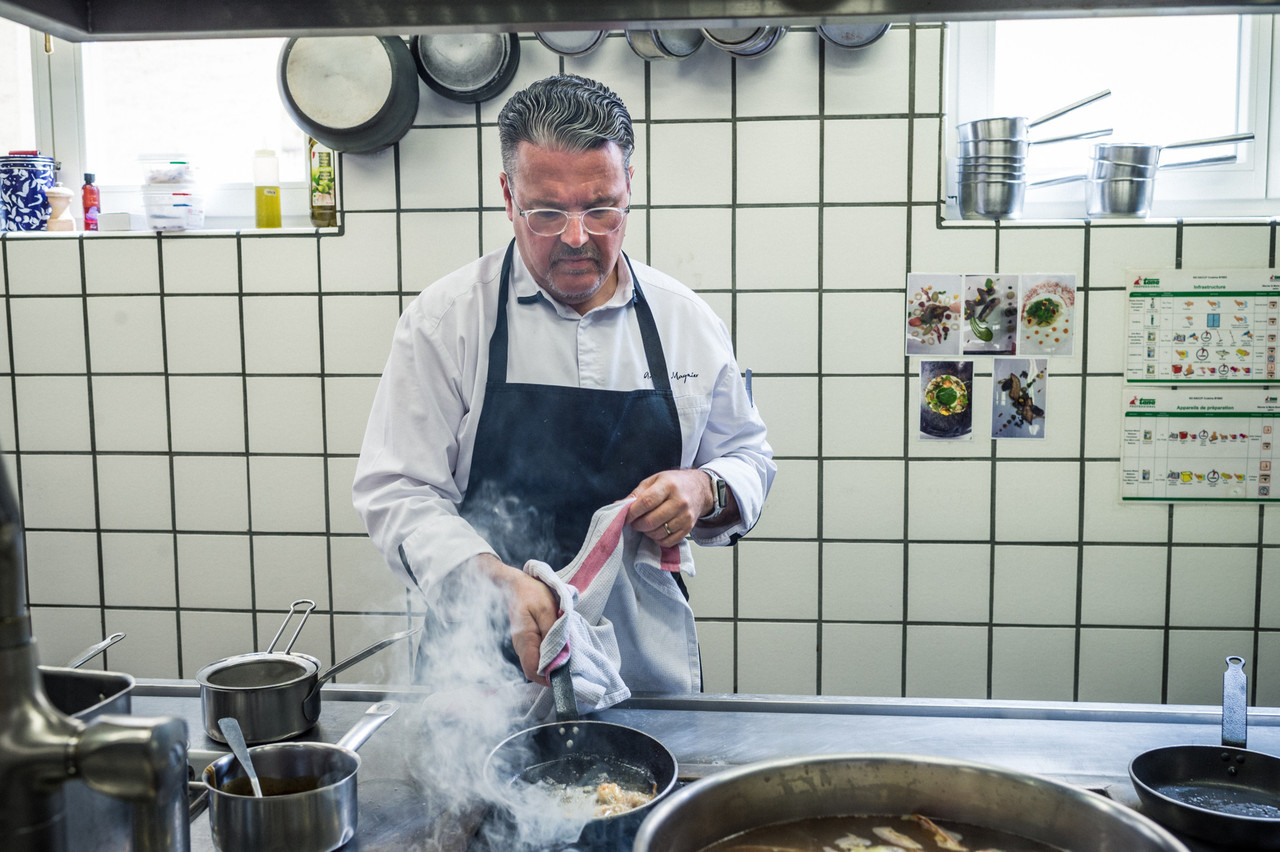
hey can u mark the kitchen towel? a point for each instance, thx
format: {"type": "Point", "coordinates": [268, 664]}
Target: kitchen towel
{"type": "Point", "coordinates": [584, 637]}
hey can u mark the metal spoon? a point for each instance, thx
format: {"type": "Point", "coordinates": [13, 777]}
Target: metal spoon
{"type": "Point", "coordinates": [231, 730]}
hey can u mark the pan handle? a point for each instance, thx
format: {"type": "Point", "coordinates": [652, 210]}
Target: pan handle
{"type": "Point", "coordinates": [94, 650]}
{"type": "Point", "coordinates": [562, 691]}
{"type": "Point", "coordinates": [1088, 134]}
{"type": "Point", "coordinates": [1217, 140]}
{"type": "Point", "coordinates": [1235, 711]}
{"type": "Point", "coordinates": [301, 604]}
{"type": "Point", "coordinates": [1069, 107]}
{"type": "Point", "coordinates": [372, 719]}
{"type": "Point", "coordinates": [339, 667]}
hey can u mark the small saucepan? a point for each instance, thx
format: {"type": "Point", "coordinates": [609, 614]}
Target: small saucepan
{"type": "Point", "coordinates": [572, 755]}
{"type": "Point", "coordinates": [273, 694]}
{"type": "Point", "coordinates": [309, 801]}
{"type": "Point", "coordinates": [1224, 794]}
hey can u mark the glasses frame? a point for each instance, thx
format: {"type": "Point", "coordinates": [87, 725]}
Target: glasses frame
{"type": "Point", "coordinates": [569, 217]}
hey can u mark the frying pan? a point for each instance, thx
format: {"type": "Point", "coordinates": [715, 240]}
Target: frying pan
{"type": "Point", "coordinates": [571, 43]}
{"type": "Point", "coordinates": [577, 752]}
{"type": "Point", "coordinates": [466, 67]}
{"type": "Point", "coordinates": [852, 35]}
{"type": "Point", "coordinates": [357, 94]}
{"type": "Point", "coordinates": [664, 44]}
{"type": "Point", "coordinates": [1224, 794]}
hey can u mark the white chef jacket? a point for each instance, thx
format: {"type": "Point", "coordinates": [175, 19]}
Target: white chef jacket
{"type": "Point", "coordinates": [416, 458]}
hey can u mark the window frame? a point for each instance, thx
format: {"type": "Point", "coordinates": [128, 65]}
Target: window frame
{"type": "Point", "coordinates": [1244, 190]}
{"type": "Point", "coordinates": [60, 130]}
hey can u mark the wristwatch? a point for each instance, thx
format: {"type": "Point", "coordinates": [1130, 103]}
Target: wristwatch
{"type": "Point", "coordinates": [720, 491]}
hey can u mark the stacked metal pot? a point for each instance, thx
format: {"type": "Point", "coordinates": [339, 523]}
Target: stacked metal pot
{"type": "Point", "coordinates": [991, 168]}
{"type": "Point", "coordinates": [992, 176]}
{"type": "Point", "coordinates": [1122, 176]}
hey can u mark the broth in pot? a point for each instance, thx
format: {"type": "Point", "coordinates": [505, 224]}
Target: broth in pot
{"type": "Point", "coordinates": [864, 833]}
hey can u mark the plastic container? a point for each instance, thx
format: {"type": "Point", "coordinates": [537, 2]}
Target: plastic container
{"type": "Point", "coordinates": [167, 169]}
{"type": "Point", "coordinates": [266, 189]}
{"type": "Point", "coordinates": [171, 209]}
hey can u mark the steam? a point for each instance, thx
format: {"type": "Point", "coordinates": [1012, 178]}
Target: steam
{"type": "Point", "coordinates": [515, 530]}
{"type": "Point", "coordinates": [478, 699]}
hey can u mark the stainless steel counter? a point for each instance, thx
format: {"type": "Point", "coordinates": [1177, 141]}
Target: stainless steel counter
{"type": "Point", "coordinates": [1087, 745]}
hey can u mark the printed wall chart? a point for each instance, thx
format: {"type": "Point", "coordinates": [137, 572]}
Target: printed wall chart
{"type": "Point", "coordinates": [1202, 327]}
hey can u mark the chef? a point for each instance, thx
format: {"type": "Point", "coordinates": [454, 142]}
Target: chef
{"type": "Point", "coordinates": [551, 378]}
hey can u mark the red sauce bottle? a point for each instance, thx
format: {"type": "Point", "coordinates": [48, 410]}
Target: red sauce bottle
{"type": "Point", "coordinates": [92, 200]}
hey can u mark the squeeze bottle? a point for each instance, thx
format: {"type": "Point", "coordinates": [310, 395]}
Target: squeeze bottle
{"type": "Point", "coordinates": [266, 189]}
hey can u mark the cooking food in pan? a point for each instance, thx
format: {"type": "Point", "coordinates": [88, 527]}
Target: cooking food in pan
{"type": "Point", "coordinates": [946, 395]}
{"type": "Point", "coordinates": [876, 834]}
{"type": "Point", "coordinates": [593, 801]}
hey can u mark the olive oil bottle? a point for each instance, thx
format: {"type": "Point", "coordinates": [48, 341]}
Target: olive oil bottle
{"type": "Point", "coordinates": [266, 189]}
{"type": "Point", "coordinates": [324, 184]}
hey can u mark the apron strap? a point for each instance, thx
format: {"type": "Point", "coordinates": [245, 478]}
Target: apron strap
{"type": "Point", "coordinates": [649, 334]}
{"type": "Point", "coordinates": [498, 341]}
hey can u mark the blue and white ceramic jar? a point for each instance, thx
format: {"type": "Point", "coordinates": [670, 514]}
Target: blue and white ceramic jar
{"type": "Point", "coordinates": [25, 180]}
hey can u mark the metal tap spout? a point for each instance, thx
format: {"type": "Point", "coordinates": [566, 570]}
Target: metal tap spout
{"type": "Point", "coordinates": [41, 748]}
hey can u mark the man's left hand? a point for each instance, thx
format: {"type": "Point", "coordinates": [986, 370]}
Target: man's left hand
{"type": "Point", "coordinates": [668, 504]}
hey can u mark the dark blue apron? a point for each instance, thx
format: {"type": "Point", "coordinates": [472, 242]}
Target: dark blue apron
{"type": "Point", "coordinates": [546, 457]}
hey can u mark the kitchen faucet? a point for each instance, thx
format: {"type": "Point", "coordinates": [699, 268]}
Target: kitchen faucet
{"type": "Point", "coordinates": [140, 760]}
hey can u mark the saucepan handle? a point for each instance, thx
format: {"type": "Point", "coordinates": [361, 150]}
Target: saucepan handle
{"type": "Point", "coordinates": [305, 606]}
{"type": "Point", "coordinates": [94, 650]}
{"type": "Point", "coordinates": [372, 719]}
{"type": "Point", "coordinates": [339, 667]}
{"type": "Point", "coordinates": [1069, 107]}
{"type": "Point", "coordinates": [1235, 713]}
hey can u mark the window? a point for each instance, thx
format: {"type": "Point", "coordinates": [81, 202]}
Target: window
{"type": "Point", "coordinates": [108, 103]}
{"type": "Point", "coordinates": [1173, 79]}
{"type": "Point", "coordinates": [17, 108]}
{"type": "Point", "coordinates": [165, 96]}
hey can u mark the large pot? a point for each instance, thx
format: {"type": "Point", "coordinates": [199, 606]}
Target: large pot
{"type": "Point", "coordinates": [310, 801]}
{"type": "Point", "coordinates": [274, 695]}
{"type": "Point", "coordinates": [771, 792]}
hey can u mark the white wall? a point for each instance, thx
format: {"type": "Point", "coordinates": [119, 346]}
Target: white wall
{"type": "Point", "coordinates": [183, 412]}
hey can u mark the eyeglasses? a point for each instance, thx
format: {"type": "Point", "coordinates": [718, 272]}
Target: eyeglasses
{"type": "Point", "coordinates": [548, 222]}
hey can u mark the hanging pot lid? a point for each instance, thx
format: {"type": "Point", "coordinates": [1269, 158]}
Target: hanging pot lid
{"type": "Point", "coordinates": [572, 43]}
{"type": "Point", "coordinates": [352, 93]}
{"type": "Point", "coordinates": [467, 67]}
{"type": "Point", "coordinates": [852, 35]}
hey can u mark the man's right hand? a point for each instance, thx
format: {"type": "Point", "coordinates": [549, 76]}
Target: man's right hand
{"type": "Point", "coordinates": [532, 608]}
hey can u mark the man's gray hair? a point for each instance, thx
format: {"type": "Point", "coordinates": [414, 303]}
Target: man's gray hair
{"type": "Point", "coordinates": [564, 113]}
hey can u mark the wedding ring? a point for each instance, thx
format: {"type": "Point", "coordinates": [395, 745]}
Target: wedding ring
{"type": "Point", "coordinates": [667, 527]}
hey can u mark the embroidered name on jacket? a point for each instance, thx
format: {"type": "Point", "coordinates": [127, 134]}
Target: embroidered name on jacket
{"type": "Point", "coordinates": [676, 376]}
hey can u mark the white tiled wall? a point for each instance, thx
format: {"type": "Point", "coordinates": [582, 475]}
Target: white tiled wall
{"type": "Point", "coordinates": [182, 412]}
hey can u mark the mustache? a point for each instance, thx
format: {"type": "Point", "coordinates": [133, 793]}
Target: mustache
{"type": "Point", "coordinates": [584, 252]}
